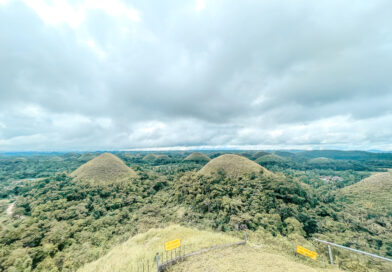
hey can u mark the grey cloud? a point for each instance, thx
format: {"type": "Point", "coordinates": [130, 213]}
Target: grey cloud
{"type": "Point", "coordinates": [206, 77]}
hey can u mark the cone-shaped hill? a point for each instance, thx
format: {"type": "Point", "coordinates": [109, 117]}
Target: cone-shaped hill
{"type": "Point", "coordinates": [197, 157]}
{"type": "Point", "coordinates": [260, 154]}
{"type": "Point", "coordinates": [320, 160]}
{"type": "Point", "coordinates": [156, 158]}
{"type": "Point", "coordinates": [149, 157]}
{"type": "Point", "coordinates": [373, 193]}
{"type": "Point", "coordinates": [105, 167]}
{"type": "Point", "coordinates": [232, 166]}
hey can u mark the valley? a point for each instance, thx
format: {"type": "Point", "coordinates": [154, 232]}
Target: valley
{"type": "Point", "coordinates": [111, 212]}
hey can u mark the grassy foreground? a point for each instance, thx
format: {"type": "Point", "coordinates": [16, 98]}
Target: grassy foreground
{"type": "Point", "coordinates": [142, 248]}
{"type": "Point", "coordinates": [244, 259]}
{"type": "Point", "coordinates": [252, 257]}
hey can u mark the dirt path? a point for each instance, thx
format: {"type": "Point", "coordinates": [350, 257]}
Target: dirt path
{"type": "Point", "coordinates": [10, 209]}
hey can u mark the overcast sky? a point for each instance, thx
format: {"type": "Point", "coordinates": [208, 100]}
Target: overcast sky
{"type": "Point", "coordinates": [99, 75]}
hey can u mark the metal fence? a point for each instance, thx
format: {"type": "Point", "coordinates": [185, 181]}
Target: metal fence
{"type": "Point", "coordinates": [329, 244]}
{"type": "Point", "coordinates": [166, 259]}
{"type": "Point", "coordinates": [143, 266]}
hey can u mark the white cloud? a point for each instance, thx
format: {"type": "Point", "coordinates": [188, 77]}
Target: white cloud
{"type": "Point", "coordinates": [200, 5]}
{"type": "Point", "coordinates": [61, 11]}
{"type": "Point", "coordinates": [110, 74]}
{"type": "Point", "coordinates": [114, 8]}
{"type": "Point", "coordinates": [57, 11]}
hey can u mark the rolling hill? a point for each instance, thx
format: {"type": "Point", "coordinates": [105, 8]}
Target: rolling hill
{"type": "Point", "coordinates": [373, 193]}
{"type": "Point", "coordinates": [105, 167]}
{"type": "Point", "coordinates": [271, 159]}
{"type": "Point", "coordinates": [232, 166]}
{"type": "Point", "coordinates": [197, 157]}
{"type": "Point", "coordinates": [149, 157]}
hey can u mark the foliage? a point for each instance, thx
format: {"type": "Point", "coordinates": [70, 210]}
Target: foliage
{"type": "Point", "coordinates": [59, 223]}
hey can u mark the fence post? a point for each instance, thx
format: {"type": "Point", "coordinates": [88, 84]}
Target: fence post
{"type": "Point", "coordinates": [157, 260]}
{"type": "Point", "coordinates": [330, 254]}
{"type": "Point", "coordinates": [246, 237]}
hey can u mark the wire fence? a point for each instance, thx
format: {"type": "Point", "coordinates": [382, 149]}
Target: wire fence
{"type": "Point", "coordinates": [168, 258]}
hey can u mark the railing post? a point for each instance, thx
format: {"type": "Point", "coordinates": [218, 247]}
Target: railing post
{"type": "Point", "coordinates": [157, 260]}
{"type": "Point", "coordinates": [330, 254]}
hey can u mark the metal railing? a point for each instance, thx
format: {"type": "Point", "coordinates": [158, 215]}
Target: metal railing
{"type": "Point", "coordinates": [180, 255]}
{"type": "Point", "coordinates": [329, 244]}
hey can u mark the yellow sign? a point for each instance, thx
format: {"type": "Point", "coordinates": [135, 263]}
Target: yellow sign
{"type": "Point", "coordinates": [172, 244]}
{"type": "Point", "coordinates": [307, 252]}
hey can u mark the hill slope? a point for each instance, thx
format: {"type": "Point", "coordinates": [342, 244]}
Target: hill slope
{"type": "Point", "coordinates": [142, 248]}
{"type": "Point", "coordinates": [244, 259]}
{"type": "Point", "coordinates": [197, 157]}
{"type": "Point", "coordinates": [105, 167]}
{"type": "Point", "coordinates": [149, 157]}
{"type": "Point", "coordinates": [232, 166]}
{"type": "Point", "coordinates": [373, 193]}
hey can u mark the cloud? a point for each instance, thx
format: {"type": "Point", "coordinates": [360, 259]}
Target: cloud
{"type": "Point", "coordinates": [109, 74]}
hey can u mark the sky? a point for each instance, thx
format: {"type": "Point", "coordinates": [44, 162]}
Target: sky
{"type": "Point", "coordinates": [174, 74]}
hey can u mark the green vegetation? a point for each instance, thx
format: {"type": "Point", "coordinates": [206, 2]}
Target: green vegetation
{"type": "Point", "coordinates": [197, 157]}
{"type": "Point", "coordinates": [149, 157]}
{"type": "Point", "coordinates": [59, 223]}
{"type": "Point", "coordinates": [231, 165]}
{"type": "Point", "coordinates": [372, 194]}
{"type": "Point", "coordinates": [259, 154]}
{"type": "Point", "coordinates": [157, 159]}
{"type": "Point", "coordinates": [272, 160]}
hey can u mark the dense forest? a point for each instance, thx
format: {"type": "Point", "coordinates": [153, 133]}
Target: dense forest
{"type": "Point", "coordinates": [51, 221]}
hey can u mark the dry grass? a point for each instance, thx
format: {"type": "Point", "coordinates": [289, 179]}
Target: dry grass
{"type": "Point", "coordinates": [373, 193]}
{"type": "Point", "coordinates": [105, 167]}
{"type": "Point", "coordinates": [142, 248]}
{"type": "Point", "coordinates": [244, 259]}
{"type": "Point", "coordinates": [232, 166]}
{"type": "Point", "coordinates": [197, 156]}
{"type": "Point", "coordinates": [262, 253]}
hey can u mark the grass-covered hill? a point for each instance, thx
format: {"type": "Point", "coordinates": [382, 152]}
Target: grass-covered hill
{"type": "Point", "coordinates": [197, 157]}
{"type": "Point", "coordinates": [143, 247]}
{"type": "Point", "coordinates": [157, 158]}
{"type": "Point", "coordinates": [162, 158]}
{"type": "Point", "coordinates": [104, 168]}
{"type": "Point", "coordinates": [373, 194]}
{"type": "Point", "coordinates": [273, 160]}
{"type": "Point", "coordinates": [232, 166]}
{"type": "Point", "coordinates": [259, 154]}
{"type": "Point", "coordinates": [149, 157]}
{"type": "Point", "coordinates": [363, 219]}
{"type": "Point", "coordinates": [258, 255]}
{"type": "Point", "coordinates": [59, 223]}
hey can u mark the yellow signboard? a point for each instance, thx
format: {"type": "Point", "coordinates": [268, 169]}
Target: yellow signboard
{"type": "Point", "coordinates": [307, 252]}
{"type": "Point", "coordinates": [172, 244]}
